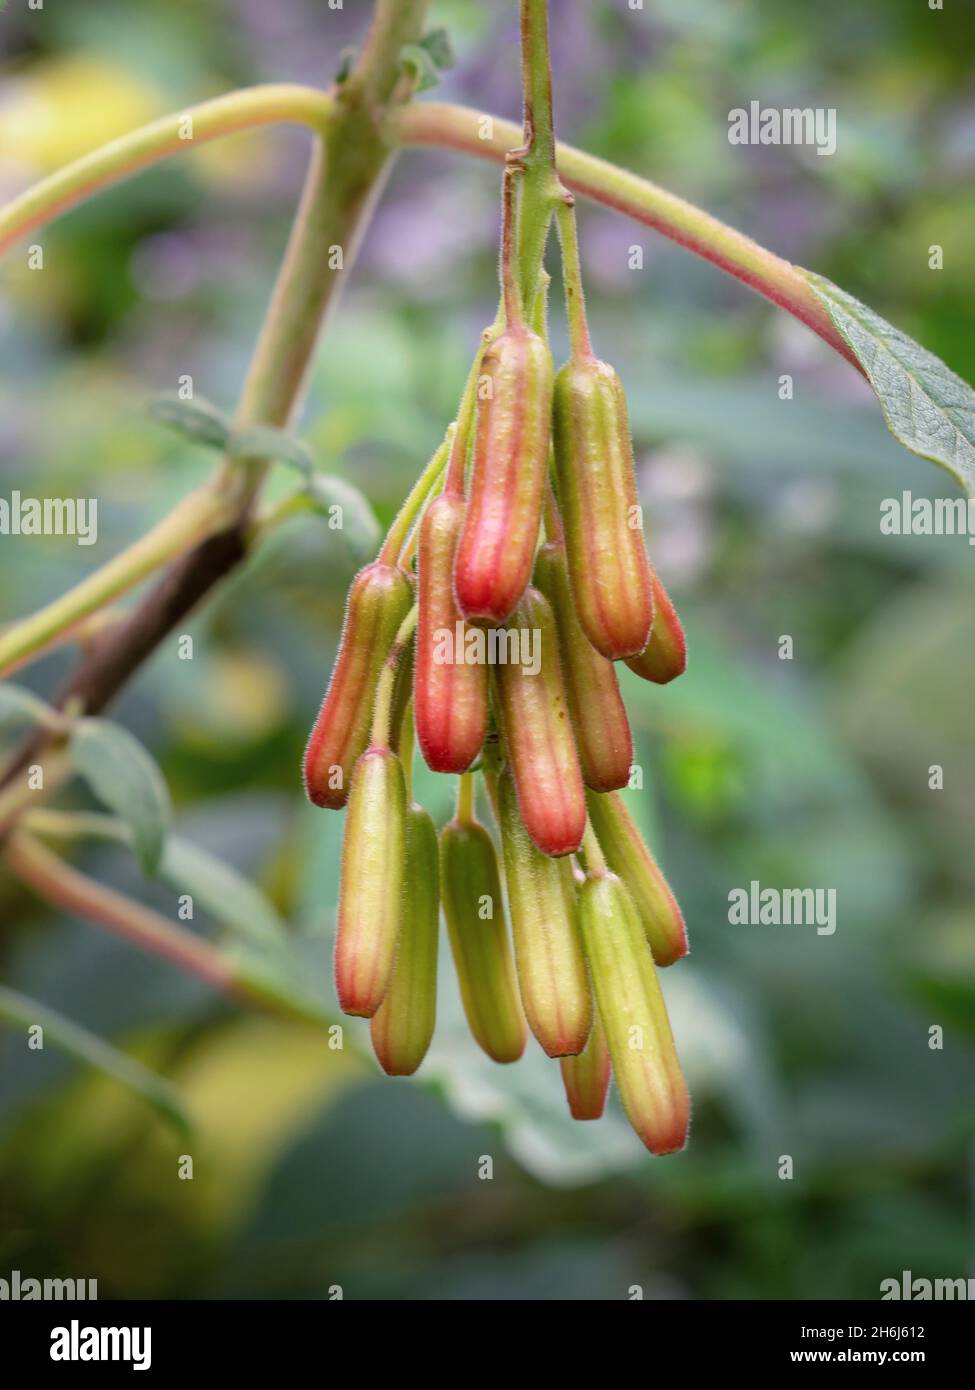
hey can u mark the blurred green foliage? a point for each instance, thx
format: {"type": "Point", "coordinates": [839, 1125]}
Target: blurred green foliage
{"type": "Point", "coordinates": [764, 517]}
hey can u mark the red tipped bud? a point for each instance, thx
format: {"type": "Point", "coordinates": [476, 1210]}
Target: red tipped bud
{"type": "Point", "coordinates": [628, 856]}
{"type": "Point", "coordinates": [552, 970]}
{"type": "Point", "coordinates": [534, 715]}
{"type": "Point", "coordinates": [370, 899]}
{"type": "Point", "coordinates": [596, 706]}
{"type": "Point", "coordinates": [586, 1077]}
{"type": "Point", "coordinates": [497, 545]}
{"type": "Point", "coordinates": [450, 694]}
{"type": "Point", "coordinates": [598, 499]}
{"type": "Point", "coordinates": [402, 1026]}
{"type": "Point", "coordinates": [632, 1009]}
{"type": "Point", "coordinates": [474, 911]}
{"type": "Point", "coordinates": [665, 655]}
{"type": "Point", "coordinates": [379, 599]}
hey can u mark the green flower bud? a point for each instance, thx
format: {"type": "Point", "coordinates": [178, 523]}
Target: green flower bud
{"type": "Point", "coordinates": [628, 856]}
{"type": "Point", "coordinates": [633, 1013]}
{"type": "Point", "coordinates": [402, 1026]}
{"type": "Point", "coordinates": [552, 970]}
{"type": "Point", "coordinates": [474, 910]}
{"type": "Point", "coordinates": [372, 884]}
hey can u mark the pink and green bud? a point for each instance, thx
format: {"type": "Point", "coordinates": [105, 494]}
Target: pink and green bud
{"type": "Point", "coordinates": [596, 486]}
{"type": "Point", "coordinates": [586, 1077]}
{"type": "Point", "coordinates": [450, 697]}
{"type": "Point", "coordinates": [628, 856]}
{"type": "Point", "coordinates": [665, 655]}
{"type": "Point", "coordinates": [470, 888]}
{"type": "Point", "coordinates": [602, 730]}
{"type": "Point", "coordinates": [634, 1016]}
{"type": "Point", "coordinates": [552, 972]}
{"type": "Point", "coordinates": [533, 711]}
{"type": "Point", "coordinates": [379, 599]}
{"type": "Point", "coordinates": [402, 1026]}
{"type": "Point", "coordinates": [497, 545]}
{"type": "Point", "coordinates": [372, 882]}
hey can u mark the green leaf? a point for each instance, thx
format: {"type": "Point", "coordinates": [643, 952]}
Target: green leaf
{"type": "Point", "coordinates": [264, 442]}
{"type": "Point", "coordinates": [226, 895]}
{"type": "Point", "coordinates": [19, 706]}
{"type": "Point", "coordinates": [126, 779]}
{"type": "Point", "coordinates": [196, 420]}
{"type": "Point", "coordinates": [222, 892]}
{"type": "Point", "coordinates": [437, 44]}
{"type": "Point", "coordinates": [346, 510]}
{"type": "Point", "coordinates": [926, 406]}
{"type": "Point", "coordinates": [70, 1037]}
{"type": "Point", "coordinates": [418, 62]}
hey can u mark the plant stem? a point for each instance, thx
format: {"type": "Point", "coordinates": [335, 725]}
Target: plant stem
{"type": "Point", "coordinates": [510, 287]}
{"type": "Point", "coordinates": [64, 887]}
{"type": "Point", "coordinates": [397, 534]}
{"type": "Point", "coordinates": [551, 516]}
{"type": "Point", "coordinates": [224, 115]}
{"type": "Point", "coordinates": [58, 883]}
{"type": "Point", "coordinates": [465, 798]}
{"type": "Point", "coordinates": [406, 751]}
{"type": "Point", "coordinates": [445, 126]}
{"type": "Point", "coordinates": [358, 150]}
{"type": "Point", "coordinates": [386, 689]}
{"type": "Point", "coordinates": [596, 865]}
{"type": "Point", "coordinates": [200, 514]}
{"type": "Point", "coordinates": [541, 190]}
{"type": "Point", "coordinates": [575, 300]}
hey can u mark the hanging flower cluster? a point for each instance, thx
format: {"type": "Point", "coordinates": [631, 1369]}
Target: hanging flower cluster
{"type": "Point", "coordinates": [514, 578]}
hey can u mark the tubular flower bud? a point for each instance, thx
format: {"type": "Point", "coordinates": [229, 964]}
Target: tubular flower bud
{"type": "Point", "coordinates": [450, 696]}
{"type": "Point", "coordinates": [586, 1077]}
{"type": "Point", "coordinates": [494, 556]}
{"type": "Point", "coordinates": [474, 910]}
{"type": "Point", "coordinates": [402, 1026]}
{"type": "Point", "coordinates": [596, 486]}
{"type": "Point", "coordinates": [372, 884]}
{"type": "Point", "coordinates": [596, 707]}
{"type": "Point", "coordinates": [533, 710]}
{"type": "Point", "coordinates": [628, 856]}
{"type": "Point", "coordinates": [632, 1009]}
{"type": "Point", "coordinates": [379, 599]}
{"type": "Point", "coordinates": [552, 970]}
{"type": "Point", "coordinates": [665, 655]}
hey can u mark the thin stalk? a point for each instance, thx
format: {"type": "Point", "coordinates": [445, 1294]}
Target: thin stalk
{"type": "Point", "coordinates": [383, 709]}
{"type": "Point", "coordinates": [596, 864]}
{"type": "Point", "coordinates": [406, 751]}
{"type": "Point", "coordinates": [181, 131]}
{"type": "Point", "coordinates": [454, 482]}
{"type": "Point", "coordinates": [65, 888]}
{"type": "Point", "coordinates": [397, 534]}
{"type": "Point", "coordinates": [201, 514]}
{"type": "Point", "coordinates": [443, 126]}
{"type": "Point", "coordinates": [465, 799]}
{"type": "Point", "coordinates": [514, 316]}
{"type": "Point", "coordinates": [551, 516]}
{"type": "Point", "coordinates": [541, 190]}
{"type": "Point", "coordinates": [575, 299]}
